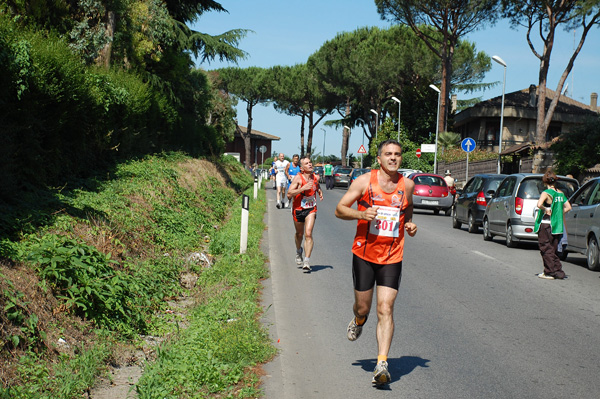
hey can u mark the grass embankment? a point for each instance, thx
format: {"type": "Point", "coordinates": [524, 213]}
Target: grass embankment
{"type": "Point", "coordinates": [109, 265]}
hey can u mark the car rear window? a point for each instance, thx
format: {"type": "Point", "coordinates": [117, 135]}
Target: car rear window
{"type": "Point", "coordinates": [492, 184]}
{"type": "Point", "coordinates": [532, 188]}
{"type": "Point", "coordinates": [344, 171]}
{"type": "Point", "coordinates": [430, 181]}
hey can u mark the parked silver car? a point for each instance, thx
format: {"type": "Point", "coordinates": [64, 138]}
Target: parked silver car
{"type": "Point", "coordinates": [510, 213]}
{"type": "Point", "coordinates": [341, 176]}
{"type": "Point", "coordinates": [583, 223]}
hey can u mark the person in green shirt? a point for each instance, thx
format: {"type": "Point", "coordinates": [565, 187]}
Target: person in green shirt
{"type": "Point", "coordinates": [328, 173]}
{"type": "Point", "coordinates": [549, 225]}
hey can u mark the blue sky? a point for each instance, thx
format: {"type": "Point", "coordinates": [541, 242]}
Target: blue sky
{"type": "Point", "coordinates": [288, 32]}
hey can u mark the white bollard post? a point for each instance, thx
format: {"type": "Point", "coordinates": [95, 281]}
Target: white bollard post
{"type": "Point", "coordinates": [244, 231]}
{"type": "Point", "coordinates": [255, 186]}
{"type": "Point", "coordinates": [260, 177]}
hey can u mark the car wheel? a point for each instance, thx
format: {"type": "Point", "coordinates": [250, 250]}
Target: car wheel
{"type": "Point", "coordinates": [487, 235]}
{"type": "Point", "coordinates": [592, 253]}
{"type": "Point", "coordinates": [455, 223]}
{"type": "Point", "coordinates": [448, 211]}
{"type": "Point", "coordinates": [436, 211]}
{"type": "Point", "coordinates": [562, 255]}
{"type": "Point", "coordinates": [510, 239]}
{"type": "Point", "coordinates": [473, 228]}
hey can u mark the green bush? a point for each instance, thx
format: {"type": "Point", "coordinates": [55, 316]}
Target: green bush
{"type": "Point", "coordinates": [88, 283]}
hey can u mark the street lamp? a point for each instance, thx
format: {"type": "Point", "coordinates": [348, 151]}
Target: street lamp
{"type": "Point", "coordinates": [324, 135]}
{"type": "Point", "coordinates": [376, 121]}
{"type": "Point", "coordinates": [399, 105]}
{"type": "Point", "coordinates": [501, 62]}
{"type": "Point", "coordinates": [437, 128]}
{"type": "Point", "coordinates": [361, 155]}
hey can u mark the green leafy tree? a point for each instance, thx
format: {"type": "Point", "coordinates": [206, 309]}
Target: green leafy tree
{"type": "Point", "coordinates": [579, 150]}
{"type": "Point", "coordinates": [248, 85]}
{"type": "Point", "coordinates": [545, 17]}
{"type": "Point", "coordinates": [351, 67]}
{"type": "Point", "coordinates": [295, 91]}
{"type": "Point", "coordinates": [451, 19]}
{"type": "Point", "coordinates": [409, 149]}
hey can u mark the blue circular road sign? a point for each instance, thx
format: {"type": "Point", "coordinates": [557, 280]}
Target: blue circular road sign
{"type": "Point", "coordinates": [467, 144]}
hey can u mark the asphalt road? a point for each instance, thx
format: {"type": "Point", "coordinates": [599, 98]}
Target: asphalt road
{"type": "Point", "coordinates": [472, 319]}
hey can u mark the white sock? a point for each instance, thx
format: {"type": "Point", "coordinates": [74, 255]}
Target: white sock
{"type": "Point", "coordinates": [307, 259]}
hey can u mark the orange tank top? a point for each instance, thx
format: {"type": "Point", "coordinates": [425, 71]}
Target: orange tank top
{"type": "Point", "coordinates": [307, 199]}
{"type": "Point", "coordinates": [381, 240]}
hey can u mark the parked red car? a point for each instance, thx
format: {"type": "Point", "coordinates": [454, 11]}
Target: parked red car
{"type": "Point", "coordinates": [431, 192]}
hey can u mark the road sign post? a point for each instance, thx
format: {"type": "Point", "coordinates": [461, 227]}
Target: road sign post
{"type": "Point", "coordinates": [467, 145]}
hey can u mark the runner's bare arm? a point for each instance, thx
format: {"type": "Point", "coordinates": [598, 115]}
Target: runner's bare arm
{"type": "Point", "coordinates": [344, 208]}
{"type": "Point", "coordinates": [295, 187]}
{"type": "Point", "coordinates": [409, 226]}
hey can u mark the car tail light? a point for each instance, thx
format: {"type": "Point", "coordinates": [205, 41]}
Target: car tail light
{"type": "Point", "coordinates": [528, 230]}
{"type": "Point", "coordinates": [481, 199]}
{"type": "Point", "coordinates": [518, 205]}
{"type": "Point", "coordinates": [337, 174]}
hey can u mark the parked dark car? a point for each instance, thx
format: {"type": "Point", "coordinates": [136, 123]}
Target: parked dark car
{"type": "Point", "coordinates": [341, 175]}
{"type": "Point", "coordinates": [471, 201]}
{"type": "Point", "coordinates": [355, 173]}
{"type": "Point", "coordinates": [431, 192]}
{"type": "Point", "coordinates": [583, 223]}
{"type": "Point", "coordinates": [511, 210]}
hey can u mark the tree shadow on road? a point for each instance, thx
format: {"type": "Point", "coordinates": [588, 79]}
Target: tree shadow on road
{"type": "Point", "coordinates": [398, 367]}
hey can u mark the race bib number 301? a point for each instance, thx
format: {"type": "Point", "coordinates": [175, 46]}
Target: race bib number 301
{"type": "Point", "coordinates": [386, 223]}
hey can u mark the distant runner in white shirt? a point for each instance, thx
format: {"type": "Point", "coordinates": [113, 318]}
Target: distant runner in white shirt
{"type": "Point", "coordinates": [281, 179]}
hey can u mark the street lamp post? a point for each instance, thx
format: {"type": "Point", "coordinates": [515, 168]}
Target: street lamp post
{"type": "Point", "coordinates": [324, 135]}
{"type": "Point", "coordinates": [437, 128]}
{"type": "Point", "coordinates": [501, 62]}
{"type": "Point", "coordinates": [399, 106]}
{"type": "Point", "coordinates": [376, 121]}
{"type": "Point", "coordinates": [349, 133]}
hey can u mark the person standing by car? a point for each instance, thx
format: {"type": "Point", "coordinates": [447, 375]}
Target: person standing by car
{"type": "Point", "coordinates": [328, 173]}
{"type": "Point", "coordinates": [384, 212]}
{"type": "Point", "coordinates": [549, 225]}
{"type": "Point", "coordinates": [303, 192]}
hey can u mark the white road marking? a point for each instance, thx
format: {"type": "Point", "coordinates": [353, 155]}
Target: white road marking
{"type": "Point", "coordinates": [484, 255]}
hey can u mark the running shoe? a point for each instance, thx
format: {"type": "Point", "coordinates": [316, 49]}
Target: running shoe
{"type": "Point", "coordinates": [306, 266]}
{"type": "Point", "coordinates": [354, 330]}
{"type": "Point", "coordinates": [278, 205]}
{"type": "Point", "coordinates": [381, 375]}
{"type": "Point", "coordinates": [298, 258]}
{"type": "Point", "coordinates": [545, 276]}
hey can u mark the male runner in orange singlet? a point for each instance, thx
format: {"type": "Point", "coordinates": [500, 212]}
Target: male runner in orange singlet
{"type": "Point", "coordinates": [304, 189]}
{"type": "Point", "coordinates": [384, 212]}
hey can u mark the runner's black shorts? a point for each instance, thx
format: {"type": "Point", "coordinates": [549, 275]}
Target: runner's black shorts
{"type": "Point", "coordinates": [365, 274]}
{"type": "Point", "coordinates": [301, 214]}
